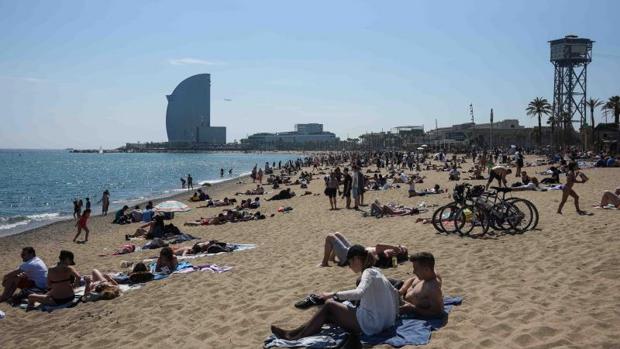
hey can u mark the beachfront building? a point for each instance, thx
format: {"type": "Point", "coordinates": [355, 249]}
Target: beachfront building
{"type": "Point", "coordinates": [305, 136]}
{"type": "Point", "coordinates": [188, 116]}
{"type": "Point", "coordinates": [399, 137]}
{"type": "Point", "coordinates": [502, 133]}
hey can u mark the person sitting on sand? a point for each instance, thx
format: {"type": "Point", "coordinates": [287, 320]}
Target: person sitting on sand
{"type": "Point", "coordinates": [611, 198]}
{"type": "Point", "coordinates": [282, 195]}
{"type": "Point", "coordinates": [555, 176]}
{"type": "Point", "coordinates": [121, 217]}
{"type": "Point", "coordinates": [498, 172]}
{"type": "Point", "coordinates": [100, 286]}
{"type": "Point", "coordinates": [140, 274]}
{"type": "Point", "coordinates": [454, 174]}
{"type": "Point", "coordinates": [378, 299]}
{"type": "Point", "coordinates": [422, 294]}
{"type": "Point", "coordinates": [61, 280]}
{"type": "Point", "coordinates": [337, 246]}
{"type": "Point", "coordinates": [32, 273]}
{"type": "Point", "coordinates": [151, 230]}
{"type": "Point", "coordinates": [167, 261]}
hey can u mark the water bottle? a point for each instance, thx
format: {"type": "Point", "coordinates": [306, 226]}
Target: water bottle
{"type": "Point", "coordinates": [394, 262]}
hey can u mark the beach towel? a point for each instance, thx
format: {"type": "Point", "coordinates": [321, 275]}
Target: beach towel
{"type": "Point", "coordinates": [408, 331]}
{"type": "Point", "coordinates": [237, 247]}
{"type": "Point", "coordinates": [185, 267]}
{"type": "Point", "coordinates": [79, 292]}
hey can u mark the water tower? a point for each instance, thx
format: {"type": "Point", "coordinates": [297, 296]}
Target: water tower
{"type": "Point", "coordinates": [570, 57]}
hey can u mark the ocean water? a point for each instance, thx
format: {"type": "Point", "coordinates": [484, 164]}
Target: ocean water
{"type": "Point", "coordinates": [38, 186]}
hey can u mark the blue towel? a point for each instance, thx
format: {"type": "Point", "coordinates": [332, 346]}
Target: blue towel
{"type": "Point", "coordinates": [412, 331]}
{"type": "Point", "coordinates": [408, 331]}
{"type": "Point", "coordinates": [159, 275]}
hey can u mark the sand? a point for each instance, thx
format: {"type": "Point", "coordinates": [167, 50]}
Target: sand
{"type": "Point", "coordinates": [556, 287]}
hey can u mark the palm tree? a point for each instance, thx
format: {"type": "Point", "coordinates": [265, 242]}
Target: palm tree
{"type": "Point", "coordinates": [537, 107]}
{"type": "Point", "coordinates": [613, 105]}
{"type": "Point", "coordinates": [593, 103]}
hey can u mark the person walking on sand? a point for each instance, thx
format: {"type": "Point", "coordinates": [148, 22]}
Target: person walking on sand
{"type": "Point", "coordinates": [81, 225]}
{"type": "Point", "coordinates": [182, 183]}
{"type": "Point", "coordinates": [105, 202]}
{"type": "Point", "coordinates": [571, 179]}
{"type": "Point", "coordinates": [190, 182]}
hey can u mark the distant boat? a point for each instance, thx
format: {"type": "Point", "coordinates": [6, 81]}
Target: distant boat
{"type": "Point", "coordinates": [100, 150]}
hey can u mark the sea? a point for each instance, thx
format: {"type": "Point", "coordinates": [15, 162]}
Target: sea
{"type": "Point", "coordinates": [37, 187]}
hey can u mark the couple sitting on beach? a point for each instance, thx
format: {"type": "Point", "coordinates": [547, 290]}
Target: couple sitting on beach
{"type": "Point", "coordinates": [379, 302]}
{"type": "Point", "coordinates": [53, 286]}
{"type": "Point", "coordinates": [199, 196]}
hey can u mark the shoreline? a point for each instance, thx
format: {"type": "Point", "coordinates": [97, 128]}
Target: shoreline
{"type": "Point", "coordinates": [156, 199]}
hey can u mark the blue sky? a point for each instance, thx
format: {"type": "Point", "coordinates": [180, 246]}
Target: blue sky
{"type": "Point", "coordinates": [95, 73]}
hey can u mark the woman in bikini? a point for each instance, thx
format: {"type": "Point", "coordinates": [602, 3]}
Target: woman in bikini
{"type": "Point", "coordinates": [61, 280]}
{"type": "Point", "coordinates": [100, 286]}
{"type": "Point", "coordinates": [571, 179]}
{"type": "Point", "coordinates": [167, 261]}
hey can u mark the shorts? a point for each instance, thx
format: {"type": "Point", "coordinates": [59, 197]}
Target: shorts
{"type": "Point", "coordinates": [331, 192]}
{"type": "Point", "coordinates": [494, 176]}
{"type": "Point", "coordinates": [520, 163]}
{"type": "Point", "coordinates": [355, 193]}
{"type": "Point", "coordinates": [340, 246]}
{"type": "Point", "coordinates": [24, 283]}
{"type": "Point", "coordinates": [347, 193]}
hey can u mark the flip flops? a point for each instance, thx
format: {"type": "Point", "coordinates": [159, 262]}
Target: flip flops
{"type": "Point", "coordinates": [309, 301]}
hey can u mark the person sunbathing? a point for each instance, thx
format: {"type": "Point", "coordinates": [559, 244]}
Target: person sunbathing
{"type": "Point", "coordinates": [283, 195]}
{"type": "Point", "coordinates": [258, 191]}
{"type": "Point", "coordinates": [218, 203]}
{"type": "Point", "coordinates": [217, 220]}
{"type": "Point", "coordinates": [611, 198]}
{"type": "Point", "coordinates": [422, 294]}
{"type": "Point", "coordinates": [167, 261]}
{"type": "Point", "coordinates": [378, 299]}
{"type": "Point", "coordinates": [532, 184]}
{"type": "Point", "coordinates": [376, 208]}
{"type": "Point", "coordinates": [100, 286]}
{"type": "Point", "coordinates": [336, 247]}
{"type": "Point", "coordinates": [61, 280]}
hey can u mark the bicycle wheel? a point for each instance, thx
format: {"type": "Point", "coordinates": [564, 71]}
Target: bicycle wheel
{"type": "Point", "coordinates": [533, 210]}
{"type": "Point", "coordinates": [471, 220]}
{"type": "Point", "coordinates": [443, 218]}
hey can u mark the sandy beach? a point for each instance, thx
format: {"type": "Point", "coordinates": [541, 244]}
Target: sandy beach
{"type": "Point", "coordinates": [555, 287]}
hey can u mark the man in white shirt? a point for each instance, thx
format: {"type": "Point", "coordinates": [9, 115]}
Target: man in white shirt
{"type": "Point", "coordinates": [32, 273]}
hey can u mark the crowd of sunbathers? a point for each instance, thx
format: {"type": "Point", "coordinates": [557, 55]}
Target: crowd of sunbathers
{"type": "Point", "coordinates": [55, 286]}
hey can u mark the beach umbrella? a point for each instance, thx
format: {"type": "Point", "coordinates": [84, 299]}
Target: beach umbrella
{"type": "Point", "coordinates": [424, 145]}
{"type": "Point", "coordinates": [171, 206]}
{"type": "Point", "coordinates": [420, 148]}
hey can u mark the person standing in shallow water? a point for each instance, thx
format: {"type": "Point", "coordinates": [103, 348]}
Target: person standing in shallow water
{"type": "Point", "coordinates": [182, 183]}
{"type": "Point", "coordinates": [190, 182]}
{"type": "Point", "coordinates": [105, 202]}
{"type": "Point", "coordinates": [221, 172]}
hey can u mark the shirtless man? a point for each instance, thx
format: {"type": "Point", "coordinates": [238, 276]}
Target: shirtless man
{"type": "Point", "coordinates": [422, 293]}
{"type": "Point", "coordinates": [499, 173]}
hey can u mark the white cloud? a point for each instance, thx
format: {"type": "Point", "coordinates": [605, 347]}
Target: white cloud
{"type": "Point", "coordinates": [185, 61]}
{"type": "Point", "coordinates": [23, 78]}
